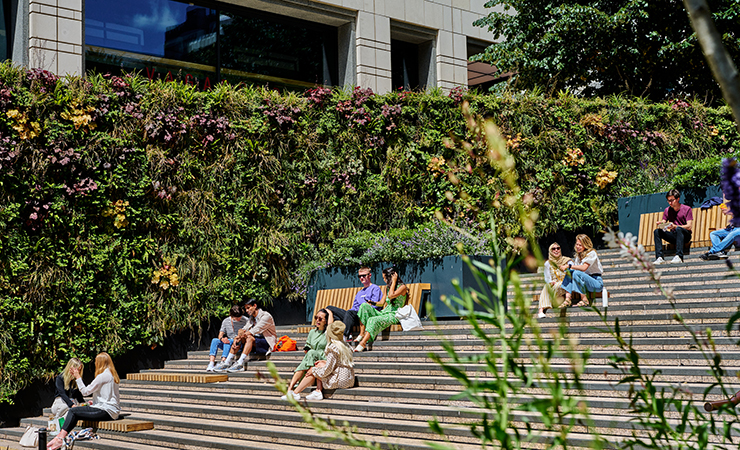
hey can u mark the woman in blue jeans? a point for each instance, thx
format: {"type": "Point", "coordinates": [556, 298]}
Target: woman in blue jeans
{"type": "Point", "coordinates": [584, 274]}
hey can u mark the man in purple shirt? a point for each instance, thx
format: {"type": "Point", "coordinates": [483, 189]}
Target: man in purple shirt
{"type": "Point", "coordinates": [369, 293]}
{"type": "Point", "coordinates": [674, 228]}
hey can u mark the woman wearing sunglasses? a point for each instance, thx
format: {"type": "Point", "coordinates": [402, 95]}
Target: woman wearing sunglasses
{"type": "Point", "coordinates": [314, 351]}
{"type": "Point", "coordinates": [553, 278]}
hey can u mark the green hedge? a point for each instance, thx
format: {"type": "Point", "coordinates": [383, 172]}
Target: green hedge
{"type": "Point", "coordinates": [130, 209]}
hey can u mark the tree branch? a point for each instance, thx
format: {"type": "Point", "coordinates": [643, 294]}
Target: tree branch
{"type": "Point", "coordinates": [723, 68]}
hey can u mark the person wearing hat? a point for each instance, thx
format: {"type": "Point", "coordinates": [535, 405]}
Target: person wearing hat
{"type": "Point", "coordinates": [336, 372]}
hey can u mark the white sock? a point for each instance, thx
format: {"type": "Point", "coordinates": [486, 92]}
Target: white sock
{"type": "Point", "coordinates": [229, 358]}
{"type": "Point", "coordinates": [242, 358]}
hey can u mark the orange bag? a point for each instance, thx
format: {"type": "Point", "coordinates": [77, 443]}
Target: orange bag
{"type": "Point", "coordinates": [285, 344]}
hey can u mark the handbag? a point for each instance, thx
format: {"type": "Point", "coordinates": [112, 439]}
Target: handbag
{"type": "Point", "coordinates": [30, 437]}
{"type": "Point", "coordinates": [408, 318]}
{"type": "Point", "coordinates": [55, 425]}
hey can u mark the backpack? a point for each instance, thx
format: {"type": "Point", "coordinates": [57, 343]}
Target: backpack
{"type": "Point", "coordinates": [285, 344]}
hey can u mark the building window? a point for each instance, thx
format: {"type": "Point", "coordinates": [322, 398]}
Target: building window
{"type": "Point", "coordinates": [171, 39]}
{"type": "Point", "coordinates": [5, 30]}
{"type": "Point", "coordinates": [412, 56]}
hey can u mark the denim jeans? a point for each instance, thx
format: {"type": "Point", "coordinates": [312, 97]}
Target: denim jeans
{"type": "Point", "coordinates": [723, 239]}
{"type": "Point", "coordinates": [581, 282]}
{"type": "Point", "coordinates": [216, 344]}
{"type": "Point", "coordinates": [678, 236]}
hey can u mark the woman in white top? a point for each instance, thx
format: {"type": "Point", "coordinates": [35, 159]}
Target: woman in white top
{"type": "Point", "coordinates": [553, 279]}
{"type": "Point", "coordinates": [583, 275]}
{"type": "Point", "coordinates": [105, 405]}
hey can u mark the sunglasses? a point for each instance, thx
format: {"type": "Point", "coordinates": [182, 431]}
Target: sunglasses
{"type": "Point", "coordinates": [319, 318]}
{"type": "Point", "coordinates": [556, 248]}
{"type": "Point", "coordinates": [364, 275]}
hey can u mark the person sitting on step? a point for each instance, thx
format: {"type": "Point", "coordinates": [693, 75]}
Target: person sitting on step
{"type": "Point", "coordinates": [67, 395]}
{"type": "Point", "coordinates": [374, 321]}
{"type": "Point", "coordinates": [583, 275]}
{"type": "Point", "coordinates": [336, 372]}
{"type": "Point", "coordinates": [106, 399]}
{"type": "Point", "coordinates": [226, 335]}
{"type": "Point", "coordinates": [314, 349]}
{"type": "Point", "coordinates": [258, 336]}
{"type": "Point", "coordinates": [675, 227]}
{"type": "Point", "coordinates": [553, 279]}
{"type": "Point", "coordinates": [722, 239]}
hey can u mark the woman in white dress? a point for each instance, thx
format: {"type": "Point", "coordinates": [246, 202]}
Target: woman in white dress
{"type": "Point", "coordinates": [553, 279]}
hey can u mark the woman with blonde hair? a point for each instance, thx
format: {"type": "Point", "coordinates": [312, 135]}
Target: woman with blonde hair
{"type": "Point", "coordinates": [584, 274]}
{"type": "Point", "coordinates": [336, 372]}
{"type": "Point", "coordinates": [106, 400]}
{"type": "Point", "coordinates": [553, 279]}
{"type": "Point", "coordinates": [67, 395]}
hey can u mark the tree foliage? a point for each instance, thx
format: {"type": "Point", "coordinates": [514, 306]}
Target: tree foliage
{"type": "Point", "coordinates": [602, 47]}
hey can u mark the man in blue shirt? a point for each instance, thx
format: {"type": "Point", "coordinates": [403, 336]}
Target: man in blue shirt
{"type": "Point", "coordinates": [369, 293]}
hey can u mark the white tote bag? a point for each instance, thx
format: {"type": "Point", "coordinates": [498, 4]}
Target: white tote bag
{"type": "Point", "coordinates": [30, 437]}
{"type": "Point", "coordinates": [409, 318]}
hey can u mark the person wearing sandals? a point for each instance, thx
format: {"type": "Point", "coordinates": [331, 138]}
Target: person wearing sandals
{"type": "Point", "coordinates": [584, 274]}
{"type": "Point", "coordinates": [67, 395]}
{"type": "Point", "coordinates": [336, 372]}
{"type": "Point", "coordinates": [553, 279]}
{"type": "Point", "coordinates": [374, 321]}
{"type": "Point", "coordinates": [314, 349]}
{"type": "Point", "coordinates": [106, 400]}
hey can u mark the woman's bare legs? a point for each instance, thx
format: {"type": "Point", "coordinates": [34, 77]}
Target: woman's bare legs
{"type": "Point", "coordinates": [306, 382]}
{"type": "Point", "coordinates": [296, 377]}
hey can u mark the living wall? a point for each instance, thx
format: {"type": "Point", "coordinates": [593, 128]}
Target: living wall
{"type": "Point", "coordinates": [132, 208]}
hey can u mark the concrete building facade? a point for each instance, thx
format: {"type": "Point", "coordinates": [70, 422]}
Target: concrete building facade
{"type": "Point", "coordinates": [377, 44]}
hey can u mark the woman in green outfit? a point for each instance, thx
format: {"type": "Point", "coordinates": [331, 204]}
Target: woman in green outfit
{"type": "Point", "coordinates": [314, 349]}
{"type": "Point", "coordinates": [374, 321]}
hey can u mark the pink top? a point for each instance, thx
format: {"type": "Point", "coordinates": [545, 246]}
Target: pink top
{"type": "Point", "coordinates": [680, 217]}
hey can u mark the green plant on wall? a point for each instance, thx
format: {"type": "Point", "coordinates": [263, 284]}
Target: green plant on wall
{"type": "Point", "coordinates": [131, 209]}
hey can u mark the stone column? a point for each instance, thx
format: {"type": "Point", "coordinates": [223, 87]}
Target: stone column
{"type": "Point", "coordinates": [373, 52]}
{"type": "Point", "coordinates": [56, 36]}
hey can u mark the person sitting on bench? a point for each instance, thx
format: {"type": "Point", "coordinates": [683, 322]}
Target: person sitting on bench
{"type": "Point", "coordinates": [370, 293]}
{"type": "Point", "coordinates": [106, 400]}
{"type": "Point", "coordinates": [374, 321]}
{"type": "Point", "coordinates": [674, 228]}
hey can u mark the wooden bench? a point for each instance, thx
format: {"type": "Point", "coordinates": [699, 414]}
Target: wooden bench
{"type": "Point", "coordinates": [178, 377]}
{"type": "Point", "coordinates": [120, 425]}
{"type": "Point", "coordinates": [344, 297]}
{"type": "Point", "coordinates": [705, 221]}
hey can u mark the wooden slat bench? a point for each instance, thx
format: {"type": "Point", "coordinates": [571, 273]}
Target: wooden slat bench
{"type": "Point", "coordinates": [705, 221]}
{"type": "Point", "coordinates": [344, 297]}
{"type": "Point", "coordinates": [120, 425]}
{"type": "Point", "coordinates": [178, 377]}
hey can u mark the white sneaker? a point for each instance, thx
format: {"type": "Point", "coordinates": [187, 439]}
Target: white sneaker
{"type": "Point", "coordinates": [676, 260]}
{"type": "Point", "coordinates": [295, 396]}
{"type": "Point", "coordinates": [220, 367]}
{"type": "Point", "coordinates": [660, 260]}
{"type": "Point", "coordinates": [210, 367]}
{"type": "Point", "coordinates": [315, 395]}
{"type": "Point", "coordinates": [237, 367]}
{"type": "Point", "coordinates": [541, 315]}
